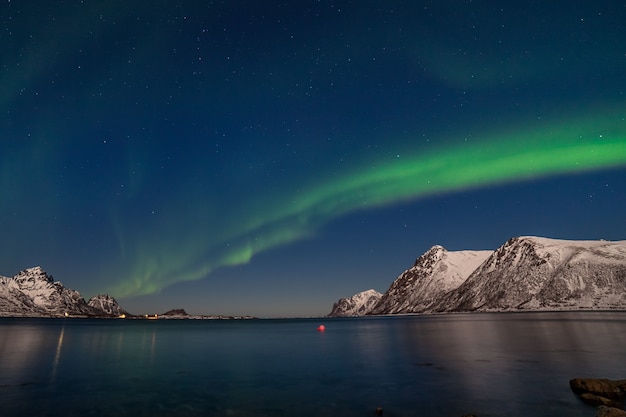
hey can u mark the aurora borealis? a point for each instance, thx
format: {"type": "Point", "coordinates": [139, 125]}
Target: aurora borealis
{"type": "Point", "coordinates": [267, 158]}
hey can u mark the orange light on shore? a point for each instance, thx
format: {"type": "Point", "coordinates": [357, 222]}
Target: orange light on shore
{"type": "Point", "coordinates": [321, 328]}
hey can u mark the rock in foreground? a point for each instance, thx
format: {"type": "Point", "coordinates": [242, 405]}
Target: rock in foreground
{"type": "Point", "coordinates": [602, 392]}
{"type": "Point", "coordinates": [610, 412]}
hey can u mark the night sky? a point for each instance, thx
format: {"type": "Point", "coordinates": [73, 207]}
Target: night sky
{"type": "Point", "coordinates": [268, 158]}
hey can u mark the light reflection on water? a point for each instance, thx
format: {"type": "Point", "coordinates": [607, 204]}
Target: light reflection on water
{"type": "Point", "coordinates": [57, 356]}
{"type": "Point", "coordinates": [445, 365]}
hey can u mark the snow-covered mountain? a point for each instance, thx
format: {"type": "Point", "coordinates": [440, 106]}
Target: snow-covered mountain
{"type": "Point", "coordinates": [526, 273]}
{"type": "Point", "coordinates": [433, 274]}
{"type": "Point", "coordinates": [107, 304]}
{"type": "Point", "coordinates": [32, 292]}
{"type": "Point", "coordinates": [357, 305]}
{"type": "Point", "coordinates": [530, 273]}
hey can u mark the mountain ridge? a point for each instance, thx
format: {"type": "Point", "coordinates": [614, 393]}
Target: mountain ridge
{"type": "Point", "coordinates": [34, 293]}
{"type": "Point", "coordinates": [539, 273]}
{"type": "Point", "coordinates": [525, 273]}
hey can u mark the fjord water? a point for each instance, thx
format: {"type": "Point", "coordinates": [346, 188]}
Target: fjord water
{"type": "Point", "coordinates": [446, 365]}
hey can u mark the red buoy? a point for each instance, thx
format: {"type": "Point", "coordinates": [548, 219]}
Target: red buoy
{"type": "Point", "coordinates": [321, 328]}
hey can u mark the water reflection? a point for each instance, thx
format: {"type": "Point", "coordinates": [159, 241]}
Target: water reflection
{"type": "Point", "coordinates": [28, 347]}
{"type": "Point", "coordinates": [481, 363]}
{"type": "Point", "coordinates": [23, 350]}
{"type": "Point", "coordinates": [57, 356]}
{"type": "Point", "coordinates": [487, 364]}
{"type": "Point", "coordinates": [494, 359]}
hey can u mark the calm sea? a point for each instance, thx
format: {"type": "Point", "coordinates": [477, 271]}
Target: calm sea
{"type": "Point", "coordinates": [448, 365]}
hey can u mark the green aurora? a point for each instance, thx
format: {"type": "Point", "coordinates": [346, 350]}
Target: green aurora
{"type": "Point", "coordinates": [508, 155]}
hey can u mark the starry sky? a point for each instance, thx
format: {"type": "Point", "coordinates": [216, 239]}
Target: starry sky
{"type": "Point", "coordinates": [267, 158]}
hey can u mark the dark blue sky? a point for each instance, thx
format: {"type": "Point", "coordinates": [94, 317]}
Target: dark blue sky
{"type": "Point", "coordinates": [267, 158]}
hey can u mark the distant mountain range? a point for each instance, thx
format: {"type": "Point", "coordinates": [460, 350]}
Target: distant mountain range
{"type": "Point", "coordinates": [34, 293]}
{"type": "Point", "coordinates": [526, 273]}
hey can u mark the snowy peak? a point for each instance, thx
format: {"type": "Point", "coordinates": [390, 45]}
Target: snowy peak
{"type": "Point", "coordinates": [430, 257]}
{"type": "Point", "coordinates": [559, 251]}
{"type": "Point", "coordinates": [48, 296]}
{"type": "Point", "coordinates": [555, 251]}
{"type": "Point", "coordinates": [525, 273]}
{"type": "Point", "coordinates": [357, 305]}
{"type": "Point", "coordinates": [433, 274]}
{"type": "Point", "coordinates": [106, 304]}
{"type": "Point", "coordinates": [34, 293]}
{"type": "Point", "coordinates": [32, 277]}
{"type": "Point", "coordinates": [540, 273]}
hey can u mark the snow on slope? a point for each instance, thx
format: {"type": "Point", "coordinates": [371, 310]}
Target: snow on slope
{"type": "Point", "coordinates": [13, 300]}
{"type": "Point", "coordinates": [357, 305]}
{"type": "Point", "coordinates": [540, 273]}
{"type": "Point", "coordinates": [32, 292]}
{"type": "Point", "coordinates": [106, 304]}
{"type": "Point", "coordinates": [433, 274]}
{"type": "Point", "coordinates": [526, 273]}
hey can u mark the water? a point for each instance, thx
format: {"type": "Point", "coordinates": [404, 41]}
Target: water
{"type": "Point", "coordinates": [449, 365]}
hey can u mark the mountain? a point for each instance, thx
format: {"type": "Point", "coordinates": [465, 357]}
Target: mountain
{"type": "Point", "coordinates": [176, 312]}
{"type": "Point", "coordinates": [34, 293]}
{"type": "Point", "coordinates": [530, 273]}
{"type": "Point", "coordinates": [357, 305]}
{"type": "Point", "coordinates": [525, 273]}
{"type": "Point", "coordinates": [433, 274]}
{"type": "Point", "coordinates": [107, 304]}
